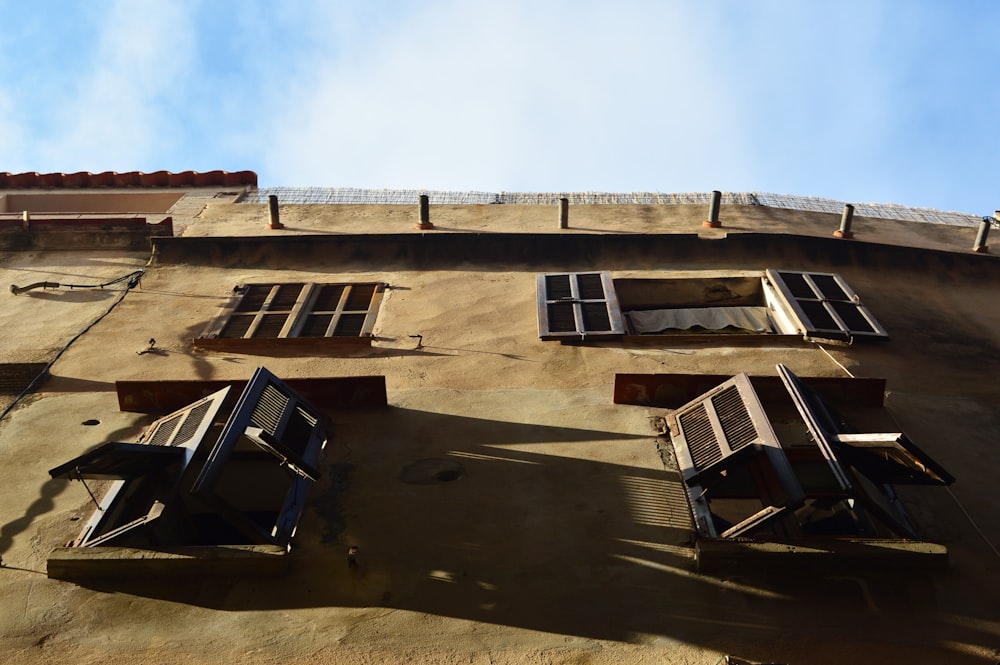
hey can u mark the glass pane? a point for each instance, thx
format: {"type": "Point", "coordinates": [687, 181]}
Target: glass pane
{"type": "Point", "coordinates": [237, 326]}
{"type": "Point", "coordinates": [349, 325]}
{"type": "Point", "coordinates": [253, 298]}
{"type": "Point", "coordinates": [561, 317]}
{"type": "Point", "coordinates": [829, 287]}
{"type": "Point", "coordinates": [316, 325]}
{"type": "Point", "coordinates": [852, 316]}
{"type": "Point", "coordinates": [328, 298]}
{"type": "Point", "coordinates": [270, 326]}
{"type": "Point", "coordinates": [797, 285]}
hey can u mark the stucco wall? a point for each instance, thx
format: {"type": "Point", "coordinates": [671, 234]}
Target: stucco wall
{"type": "Point", "coordinates": [562, 537]}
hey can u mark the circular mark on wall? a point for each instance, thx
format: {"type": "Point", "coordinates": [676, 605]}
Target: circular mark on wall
{"type": "Point", "coordinates": [431, 470]}
{"type": "Point", "coordinates": [91, 422]}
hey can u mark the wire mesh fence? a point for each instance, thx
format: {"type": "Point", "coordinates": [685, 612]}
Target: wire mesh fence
{"type": "Point", "coordinates": [345, 195]}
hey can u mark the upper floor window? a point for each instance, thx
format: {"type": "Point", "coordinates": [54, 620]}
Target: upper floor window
{"type": "Point", "coordinates": [775, 302]}
{"type": "Point", "coordinates": [306, 311]}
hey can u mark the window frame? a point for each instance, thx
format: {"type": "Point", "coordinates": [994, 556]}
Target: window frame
{"type": "Point", "coordinates": [296, 315]}
{"type": "Point", "coordinates": [864, 466]}
{"type": "Point", "coordinates": [787, 312]}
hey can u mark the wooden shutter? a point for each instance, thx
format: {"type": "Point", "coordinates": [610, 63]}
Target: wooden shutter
{"type": "Point", "coordinates": [169, 441]}
{"type": "Point", "coordinates": [824, 426]}
{"type": "Point", "coordinates": [275, 419]}
{"type": "Point", "coordinates": [340, 310]}
{"type": "Point", "coordinates": [185, 425]}
{"type": "Point", "coordinates": [118, 461]}
{"type": "Point", "coordinates": [303, 310]}
{"type": "Point", "coordinates": [715, 430]}
{"type": "Point", "coordinates": [824, 305]}
{"type": "Point", "coordinates": [577, 305]}
{"type": "Point", "coordinates": [891, 458]}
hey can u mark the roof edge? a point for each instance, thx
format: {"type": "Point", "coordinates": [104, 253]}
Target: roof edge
{"type": "Point", "coordinates": [87, 180]}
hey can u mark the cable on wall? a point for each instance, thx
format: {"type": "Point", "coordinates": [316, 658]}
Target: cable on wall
{"type": "Point", "coordinates": [133, 280]}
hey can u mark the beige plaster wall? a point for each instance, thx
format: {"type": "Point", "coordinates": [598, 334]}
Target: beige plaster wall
{"type": "Point", "coordinates": [565, 539]}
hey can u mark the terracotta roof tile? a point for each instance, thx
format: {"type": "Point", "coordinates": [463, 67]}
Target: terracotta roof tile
{"type": "Point", "coordinates": [83, 179]}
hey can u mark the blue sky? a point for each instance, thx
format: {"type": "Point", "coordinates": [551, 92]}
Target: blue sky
{"type": "Point", "coordinates": [861, 101]}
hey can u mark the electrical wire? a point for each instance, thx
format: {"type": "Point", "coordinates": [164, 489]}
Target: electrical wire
{"type": "Point", "coordinates": [973, 523]}
{"type": "Point", "coordinates": [133, 281]}
{"type": "Point", "coordinates": [835, 361]}
{"type": "Point", "coordinates": [133, 276]}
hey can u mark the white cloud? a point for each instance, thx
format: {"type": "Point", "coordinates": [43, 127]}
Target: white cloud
{"type": "Point", "coordinates": [116, 116]}
{"type": "Point", "coordinates": [848, 100]}
{"type": "Point", "coordinates": [511, 95]}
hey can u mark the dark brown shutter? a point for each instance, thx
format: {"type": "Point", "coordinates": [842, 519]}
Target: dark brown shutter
{"type": "Point", "coordinates": [822, 423]}
{"type": "Point", "coordinates": [577, 305]}
{"type": "Point", "coordinates": [714, 430]}
{"type": "Point", "coordinates": [276, 419]}
{"type": "Point", "coordinates": [824, 305]}
{"type": "Point", "coordinates": [277, 311]}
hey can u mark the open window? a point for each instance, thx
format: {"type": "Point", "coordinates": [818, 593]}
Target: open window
{"type": "Point", "coordinates": [792, 466]}
{"type": "Point", "coordinates": [264, 462]}
{"type": "Point", "coordinates": [581, 306]}
{"type": "Point", "coordinates": [213, 473]}
{"type": "Point", "coordinates": [145, 476]}
{"type": "Point", "coordinates": [310, 312]}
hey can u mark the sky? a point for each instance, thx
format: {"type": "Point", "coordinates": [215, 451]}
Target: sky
{"type": "Point", "coordinates": [894, 101]}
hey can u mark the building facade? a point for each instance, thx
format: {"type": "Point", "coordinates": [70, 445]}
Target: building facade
{"type": "Point", "coordinates": [587, 433]}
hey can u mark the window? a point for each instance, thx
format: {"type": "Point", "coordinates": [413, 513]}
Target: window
{"type": "Point", "coordinates": [303, 311]}
{"type": "Point", "coordinates": [145, 475]}
{"type": "Point", "coordinates": [820, 477]}
{"type": "Point", "coordinates": [212, 473]}
{"type": "Point", "coordinates": [258, 472]}
{"type": "Point", "coordinates": [578, 306]}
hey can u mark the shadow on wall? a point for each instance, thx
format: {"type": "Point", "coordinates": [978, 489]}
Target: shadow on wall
{"type": "Point", "coordinates": [521, 525]}
{"type": "Point", "coordinates": [50, 489]}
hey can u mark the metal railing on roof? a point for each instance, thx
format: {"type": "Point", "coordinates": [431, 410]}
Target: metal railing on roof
{"type": "Point", "coordinates": [345, 195]}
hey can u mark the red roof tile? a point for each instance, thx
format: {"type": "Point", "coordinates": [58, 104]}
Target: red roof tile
{"type": "Point", "coordinates": [83, 179]}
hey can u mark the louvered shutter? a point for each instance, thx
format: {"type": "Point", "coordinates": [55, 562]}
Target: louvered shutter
{"type": "Point", "coordinates": [168, 442]}
{"type": "Point", "coordinates": [713, 430]}
{"type": "Point", "coordinates": [185, 425]}
{"type": "Point", "coordinates": [823, 425]}
{"type": "Point", "coordinates": [273, 417]}
{"type": "Point", "coordinates": [577, 305]}
{"type": "Point", "coordinates": [825, 305]}
{"type": "Point", "coordinates": [157, 447]}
